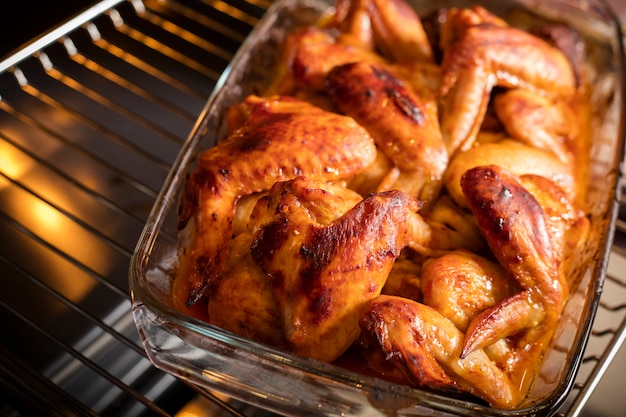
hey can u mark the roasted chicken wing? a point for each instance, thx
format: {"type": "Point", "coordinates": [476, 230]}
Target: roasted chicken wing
{"type": "Point", "coordinates": [427, 347]}
{"type": "Point", "coordinates": [486, 55]}
{"type": "Point", "coordinates": [330, 147]}
{"type": "Point", "coordinates": [316, 52]}
{"type": "Point", "coordinates": [389, 26]}
{"type": "Point", "coordinates": [404, 125]}
{"type": "Point", "coordinates": [518, 232]}
{"type": "Point", "coordinates": [324, 264]}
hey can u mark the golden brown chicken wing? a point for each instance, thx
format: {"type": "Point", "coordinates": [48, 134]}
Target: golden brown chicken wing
{"type": "Point", "coordinates": [323, 268]}
{"type": "Point", "coordinates": [488, 55]}
{"type": "Point", "coordinates": [427, 347]}
{"type": "Point", "coordinates": [519, 235]}
{"type": "Point", "coordinates": [403, 124]}
{"type": "Point", "coordinates": [330, 147]}
{"type": "Point", "coordinates": [390, 27]}
{"type": "Point", "coordinates": [314, 52]}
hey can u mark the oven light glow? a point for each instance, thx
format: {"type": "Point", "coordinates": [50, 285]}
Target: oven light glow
{"type": "Point", "coordinates": [40, 207]}
{"type": "Point", "coordinates": [11, 165]}
{"type": "Point", "coordinates": [46, 216]}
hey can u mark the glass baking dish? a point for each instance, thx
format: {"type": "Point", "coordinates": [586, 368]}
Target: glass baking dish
{"type": "Point", "coordinates": [292, 385]}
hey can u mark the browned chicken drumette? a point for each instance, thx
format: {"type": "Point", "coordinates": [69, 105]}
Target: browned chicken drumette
{"type": "Point", "coordinates": [329, 147]}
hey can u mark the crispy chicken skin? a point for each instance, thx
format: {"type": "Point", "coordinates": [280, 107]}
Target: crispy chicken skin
{"type": "Point", "coordinates": [330, 147]}
{"type": "Point", "coordinates": [404, 125]}
{"type": "Point", "coordinates": [323, 270]}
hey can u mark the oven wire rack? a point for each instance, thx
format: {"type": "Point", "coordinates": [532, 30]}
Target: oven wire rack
{"type": "Point", "coordinates": [92, 116]}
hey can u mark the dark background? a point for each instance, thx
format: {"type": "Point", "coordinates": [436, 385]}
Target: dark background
{"type": "Point", "coordinates": [23, 20]}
